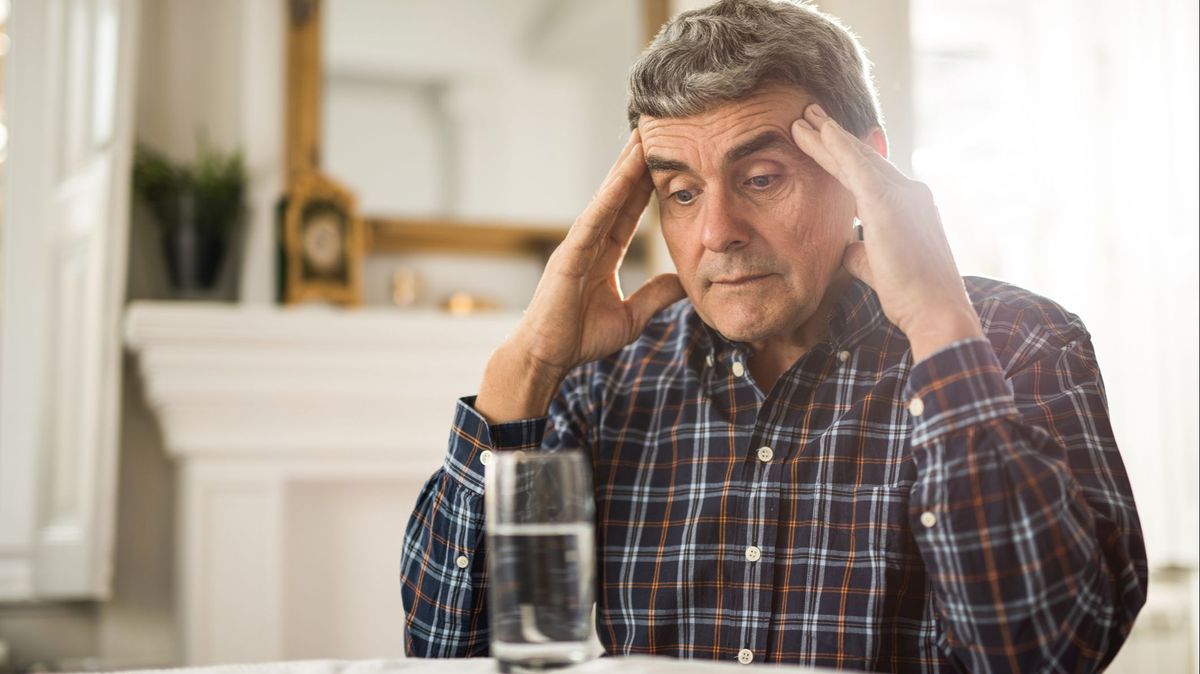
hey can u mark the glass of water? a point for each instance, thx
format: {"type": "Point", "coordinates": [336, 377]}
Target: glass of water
{"type": "Point", "coordinates": [539, 520]}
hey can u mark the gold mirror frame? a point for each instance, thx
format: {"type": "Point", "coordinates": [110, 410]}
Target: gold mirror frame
{"type": "Point", "coordinates": [393, 234]}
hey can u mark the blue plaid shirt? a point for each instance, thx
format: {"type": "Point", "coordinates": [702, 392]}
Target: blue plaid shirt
{"type": "Point", "coordinates": [969, 513]}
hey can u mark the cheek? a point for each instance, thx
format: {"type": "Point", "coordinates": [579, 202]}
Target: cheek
{"type": "Point", "coordinates": [821, 212]}
{"type": "Point", "coordinates": [807, 221]}
{"type": "Point", "coordinates": [685, 256]}
{"type": "Point", "coordinates": [809, 231]}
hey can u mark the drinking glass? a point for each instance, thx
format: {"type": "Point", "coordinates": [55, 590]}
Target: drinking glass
{"type": "Point", "coordinates": [539, 523]}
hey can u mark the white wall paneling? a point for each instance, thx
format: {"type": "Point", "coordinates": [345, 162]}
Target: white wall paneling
{"type": "Point", "coordinates": [303, 437]}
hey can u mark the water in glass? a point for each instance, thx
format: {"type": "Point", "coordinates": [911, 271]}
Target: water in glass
{"type": "Point", "coordinates": [540, 559]}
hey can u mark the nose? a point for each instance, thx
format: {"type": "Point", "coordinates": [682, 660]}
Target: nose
{"type": "Point", "coordinates": [722, 227]}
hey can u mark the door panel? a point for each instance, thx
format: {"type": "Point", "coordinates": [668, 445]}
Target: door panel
{"type": "Point", "coordinates": [66, 224]}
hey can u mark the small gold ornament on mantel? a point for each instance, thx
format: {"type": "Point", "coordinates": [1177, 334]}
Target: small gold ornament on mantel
{"type": "Point", "coordinates": [462, 304]}
{"type": "Point", "coordinates": [406, 287]}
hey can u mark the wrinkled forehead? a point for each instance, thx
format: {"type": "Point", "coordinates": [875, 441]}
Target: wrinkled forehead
{"type": "Point", "coordinates": [701, 138]}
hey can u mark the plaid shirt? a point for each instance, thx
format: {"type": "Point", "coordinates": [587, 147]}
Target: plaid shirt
{"type": "Point", "coordinates": [969, 513]}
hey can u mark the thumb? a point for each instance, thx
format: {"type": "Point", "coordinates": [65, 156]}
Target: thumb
{"type": "Point", "coordinates": [654, 296]}
{"type": "Point", "coordinates": [854, 259]}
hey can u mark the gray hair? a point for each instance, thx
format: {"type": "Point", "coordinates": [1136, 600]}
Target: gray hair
{"type": "Point", "coordinates": [731, 49]}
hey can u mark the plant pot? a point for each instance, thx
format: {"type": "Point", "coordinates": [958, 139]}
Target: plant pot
{"type": "Point", "coordinates": [194, 254]}
{"type": "Point", "coordinates": [193, 258]}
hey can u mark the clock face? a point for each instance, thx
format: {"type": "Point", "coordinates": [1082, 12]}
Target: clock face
{"type": "Point", "coordinates": [322, 242]}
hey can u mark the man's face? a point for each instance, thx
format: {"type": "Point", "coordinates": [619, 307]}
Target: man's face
{"type": "Point", "coordinates": [755, 227]}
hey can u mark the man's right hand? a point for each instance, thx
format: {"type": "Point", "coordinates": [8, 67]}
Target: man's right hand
{"type": "Point", "coordinates": [578, 313]}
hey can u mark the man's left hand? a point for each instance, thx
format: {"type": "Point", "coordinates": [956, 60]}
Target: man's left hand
{"type": "Point", "coordinates": [904, 255]}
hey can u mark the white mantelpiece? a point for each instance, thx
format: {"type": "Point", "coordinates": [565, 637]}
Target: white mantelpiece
{"type": "Point", "coordinates": [303, 436]}
{"type": "Point", "coordinates": [261, 380]}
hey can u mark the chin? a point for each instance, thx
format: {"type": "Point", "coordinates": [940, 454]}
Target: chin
{"type": "Point", "coordinates": [750, 322]}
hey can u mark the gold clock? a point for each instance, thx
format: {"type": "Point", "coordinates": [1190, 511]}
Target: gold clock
{"type": "Point", "coordinates": [323, 241]}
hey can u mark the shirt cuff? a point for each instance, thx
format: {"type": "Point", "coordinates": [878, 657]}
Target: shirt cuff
{"type": "Point", "coordinates": [960, 385]}
{"type": "Point", "coordinates": [471, 435]}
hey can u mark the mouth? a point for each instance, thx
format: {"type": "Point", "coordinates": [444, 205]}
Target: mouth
{"type": "Point", "coordinates": [738, 281]}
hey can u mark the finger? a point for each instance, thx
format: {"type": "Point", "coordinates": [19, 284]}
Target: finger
{"type": "Point", "coordinates": [634, 138]}
{"type": "Point", "coordinates": [808, 139]}
{"type": "Point", "coordinates": [631, 214]}
{"type": "Point", "coordinates": [620, 237]}
{"type": "Point", "coordinates": [597, 219]}
{"type": "Point", "coordinates": [816, 116]}
{"type": "Point", "coordinates": [655, 295]}
{"type": "Point", "coordinates": [855, 260]}
{"type": "Point", "coordinates": [834, 153]}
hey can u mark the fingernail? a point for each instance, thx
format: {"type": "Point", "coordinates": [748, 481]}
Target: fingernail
{"type": "Point", "coordinates": [818, 110]}
{"type": "Point", "coordinates": [804, 123]}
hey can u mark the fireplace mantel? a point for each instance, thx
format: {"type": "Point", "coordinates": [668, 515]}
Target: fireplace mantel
{"type": "Point", "coordinates": [232, 379]}
{"type": "Point", "coordinates": [302, 437]}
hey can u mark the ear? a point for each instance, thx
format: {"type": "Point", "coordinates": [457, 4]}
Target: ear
{"type": "Point", "coordinates": [877, 139]}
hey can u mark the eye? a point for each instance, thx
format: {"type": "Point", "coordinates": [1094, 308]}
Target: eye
{"type": "Point", "coordinates": [761, 181]}
{"type": "Point", "coordinates": [684, 196]}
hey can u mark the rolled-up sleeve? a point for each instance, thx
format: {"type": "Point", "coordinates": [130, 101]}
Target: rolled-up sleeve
{"type": "Point", "coordinates": [1022, 510]}
{"type": "Point", "coordinates": [443, 565]}
{"type": "Point", "coordinates": [443, 569]}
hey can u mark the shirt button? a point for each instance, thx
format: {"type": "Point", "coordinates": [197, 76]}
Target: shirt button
{"type": "Point", "coordinates": [745, 656]}
{"type": "Point", "coordinates": [462, 562]}
{"type": "Point", "coordinates": [738, 369]}
{"type": "Point", "coordinates": [843, 356]}
{"type": "Point", "coordinates": [916, 406]}
{"type": "Point", "coordinates": [928, 519]}
{"type": "Point", "coordinates": [753, 554]}
{"type": "Point", "coordinates": [485, 457]}
{"type": "Point", "coordinates": [709, 360]}
{"type": "Point", "coordinates": [765, 454]}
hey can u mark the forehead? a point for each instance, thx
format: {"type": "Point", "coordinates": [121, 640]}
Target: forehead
{"type": "Point", "coordinates": [716, 130]}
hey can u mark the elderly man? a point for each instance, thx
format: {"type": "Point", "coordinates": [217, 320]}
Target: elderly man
{"type": "Point", "coordinates": [814, 444]}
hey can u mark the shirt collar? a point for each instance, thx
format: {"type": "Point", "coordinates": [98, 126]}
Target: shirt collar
{"type": "Point", "coordinates": [857, 315]}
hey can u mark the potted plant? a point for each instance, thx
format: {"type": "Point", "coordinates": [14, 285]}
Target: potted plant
{"type": "Point", "coordinates": [198, 208]}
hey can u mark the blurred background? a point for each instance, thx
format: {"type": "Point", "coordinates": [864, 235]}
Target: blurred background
{"type": "Point", "coordinates": [252, 251]}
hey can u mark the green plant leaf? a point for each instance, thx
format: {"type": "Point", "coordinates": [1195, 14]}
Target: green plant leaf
{"type": "Point", "coordinates": [206, 193]}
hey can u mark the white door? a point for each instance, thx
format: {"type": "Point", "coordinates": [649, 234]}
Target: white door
{"type": "Point", "coordinates": [66, 193]}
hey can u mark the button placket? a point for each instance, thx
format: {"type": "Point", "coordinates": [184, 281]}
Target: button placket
{"type": "Point", "coordinates": [759, 535]}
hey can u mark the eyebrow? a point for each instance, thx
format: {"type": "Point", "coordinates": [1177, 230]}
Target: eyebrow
{"type": "Point", "coordinates": [763, 141]}
{"type": "Point", "coordinates": [767, 140]}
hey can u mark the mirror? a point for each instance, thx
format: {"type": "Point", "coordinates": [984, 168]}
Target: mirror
{"type": "Point", "coordinates": [463, 125]}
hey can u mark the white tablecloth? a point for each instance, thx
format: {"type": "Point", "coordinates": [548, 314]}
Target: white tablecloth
{"type": "Point", "coordinates": [624, 665]}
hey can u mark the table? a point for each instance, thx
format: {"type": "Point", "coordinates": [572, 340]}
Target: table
{"type": "Point", "coordinates": [624, 665]}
